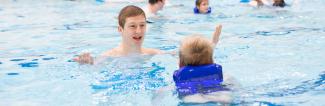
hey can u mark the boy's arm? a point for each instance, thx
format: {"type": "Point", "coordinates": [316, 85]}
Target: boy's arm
{"type": "Point", "coordinates": [216, 35]}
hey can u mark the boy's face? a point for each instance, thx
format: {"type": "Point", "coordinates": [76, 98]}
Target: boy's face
{"type": "Point", "coordinates": [160, 4]}
{"type": "Point", "coordinates": [204, 6]}
{"type": "Point", "coordinates": [134, 30]}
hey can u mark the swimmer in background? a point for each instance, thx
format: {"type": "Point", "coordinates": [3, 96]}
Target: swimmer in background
{"type": "Point", "coordinates": [202, 7]}
{"type": "Point", "coordinates": [132, 28]}
{"type": "Point", "coordinates": [153, 7]}
{"type": "Point", "coordinates": [275, 3]}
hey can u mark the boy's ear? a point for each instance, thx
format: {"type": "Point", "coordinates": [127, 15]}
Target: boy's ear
{"type": "Point", "coordinates": [120, 29]}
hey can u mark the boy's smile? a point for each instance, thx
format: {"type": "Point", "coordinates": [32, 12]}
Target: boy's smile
{"type": "Point", "coordinates": [134, 30]}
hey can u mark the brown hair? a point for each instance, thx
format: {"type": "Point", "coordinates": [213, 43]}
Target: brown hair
{"type": "Point", "coordinates": [129, 11]}
{"type": "Point", "coordinates": [279, 3]}
{"type": "Point", "coordinates": [198, 2]}
{"type": "Point", "coordinates": [196, 50]}
{"type": "Point", "coordinates": [155, 1]}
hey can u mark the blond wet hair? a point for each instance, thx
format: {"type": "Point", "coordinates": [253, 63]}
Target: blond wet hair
{"type": "Point", "coordinates": [196, 50]}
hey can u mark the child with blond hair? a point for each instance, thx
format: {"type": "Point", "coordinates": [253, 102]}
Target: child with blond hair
{"type": "Point", "coordinates": [199, 79]}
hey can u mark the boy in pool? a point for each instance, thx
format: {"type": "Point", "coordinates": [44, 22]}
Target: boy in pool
{"type": "Point", "coordinates": [132, 28]}
{"type": "Point", "coordinates": [202, 7]}
{"type": "Point", "coordinates": [199, 79]}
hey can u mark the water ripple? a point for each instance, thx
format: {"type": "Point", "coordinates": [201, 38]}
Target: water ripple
{"type": "Point", "coordinates": [17, 59]}
{"type": "Point", "coordinates": [266, 33]}
{"type": "Point", "coordinates": [29, 64]}
{"type": "Point", "coordinates": [306, 86]}
{"type": "Point", "coordinates": [49, 58]}
{"type": "Point", "coordinates": [117, 83]}
{"type": "Point", "coordinates": [12, 73]}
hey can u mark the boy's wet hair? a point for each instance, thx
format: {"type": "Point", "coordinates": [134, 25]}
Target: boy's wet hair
{"type": "Point", "coordinates": [198, 2]}
{"type": "Point", "coordinates": [196, 50]}
{"type": "Point", "coordinates": [279, 3]}
{"type": "Point", "coordinates": [129, 11]}
{"type": "Point", "coordinates": [155, 1]}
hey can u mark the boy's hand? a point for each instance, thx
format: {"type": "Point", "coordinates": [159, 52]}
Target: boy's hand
{"type": "Point", "coordinates": [84, 58]}
{"type": "Point", "coordinates": [259, 2]}
{"type": "Point", "coordinates": [217, 34]}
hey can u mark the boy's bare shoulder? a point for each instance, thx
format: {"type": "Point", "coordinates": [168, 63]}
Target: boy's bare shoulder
{"type": "Point", "coordinates": [151, 51]}
{"type": "Point", "coordinates": [112, 53]}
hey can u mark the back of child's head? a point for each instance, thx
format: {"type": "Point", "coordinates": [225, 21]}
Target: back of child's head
{"type": "Point", "coordinates": [129, 11]}
{"type": "Point", "coordinates": [196, 50]}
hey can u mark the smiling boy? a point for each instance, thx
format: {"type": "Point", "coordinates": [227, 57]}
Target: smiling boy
{"type": "Point", "coordinates": [132, 28]}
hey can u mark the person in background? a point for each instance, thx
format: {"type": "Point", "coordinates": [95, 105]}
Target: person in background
{"type": "Point", "coordinates": [202, 7]}
{"type": "Point", "coordinates": [153, 7]}
{"type": "Point", "coordinates": [275, 3]}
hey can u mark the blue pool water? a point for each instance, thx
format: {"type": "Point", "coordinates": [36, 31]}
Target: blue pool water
{"type": "Point", "coordinates": [277, 55]}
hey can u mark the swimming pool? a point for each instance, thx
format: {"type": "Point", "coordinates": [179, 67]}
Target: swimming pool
{"type": "Point", "coordinates": [276, 54]}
